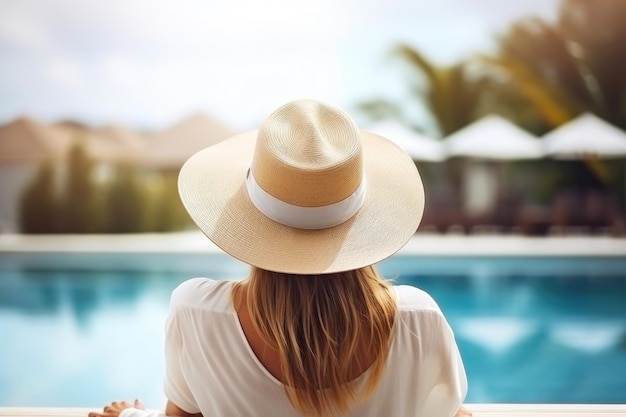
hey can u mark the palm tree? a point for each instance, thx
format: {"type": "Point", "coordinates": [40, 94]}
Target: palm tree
{"type": "Point", "coordinates": [451, 95]}
{"type": "Point", "coordinates": [533, 62]}
{"type": "Point", "coordinates": [573, 66]}
{"type": "Point", "coordinates": [596, 31]}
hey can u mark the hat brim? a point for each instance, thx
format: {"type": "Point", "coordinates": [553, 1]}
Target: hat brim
{"type": "Point", "coordinates": [212, 188]}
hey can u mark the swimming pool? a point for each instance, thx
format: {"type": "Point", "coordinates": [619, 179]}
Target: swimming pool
{"type": "Point", "coordinates": [81, 329]}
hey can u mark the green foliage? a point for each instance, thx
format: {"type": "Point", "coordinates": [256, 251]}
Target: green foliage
{"type": "Point", "coordinates": [38, 205]}
{"type": "Point", "coordinates": [167, 211]}
{"type": "Point", "coordinates": [596, 31]}
{"type": "Point", "coordinates": [80, 209]}
{"type": "Point", "coordinates": [541, 75]}
{"type": "Point", "coordinates": [452, 95]}
{"type": "Point", "coordinates": [127, 202]}
{"type": "Point", "coordinates": [543, 68]}
{"type": "Point", "coordinates": [576, 65]}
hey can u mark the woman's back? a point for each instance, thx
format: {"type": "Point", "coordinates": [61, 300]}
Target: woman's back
{"type": "Point", "coordinates": [215, 371]}
{"type": "Point", "coordinates": [270, 357]}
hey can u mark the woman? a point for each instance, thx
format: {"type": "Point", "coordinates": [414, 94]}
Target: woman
{"type": "Point", "coordinates": [311, 203]}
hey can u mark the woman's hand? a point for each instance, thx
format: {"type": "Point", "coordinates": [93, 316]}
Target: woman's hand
{"type": "Point", "coordinates": [115, 408]}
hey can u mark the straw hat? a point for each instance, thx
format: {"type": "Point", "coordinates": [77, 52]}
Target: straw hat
{"type": "Point", "coordinates": [306, 193]}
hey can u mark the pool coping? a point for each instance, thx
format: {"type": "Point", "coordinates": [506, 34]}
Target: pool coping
{"type": "Point", "coordinates": [418, 245]}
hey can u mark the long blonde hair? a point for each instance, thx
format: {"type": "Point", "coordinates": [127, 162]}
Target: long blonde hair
{"type": "Point", "coordinates": [323, 328]}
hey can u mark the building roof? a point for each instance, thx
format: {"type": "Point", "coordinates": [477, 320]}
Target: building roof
{"type": "Point", "coordinates": [111, 143]}
{"type": "Point", "coordinates": [26, 141]}
{"type": "Point", "coordinates": [171, 147]}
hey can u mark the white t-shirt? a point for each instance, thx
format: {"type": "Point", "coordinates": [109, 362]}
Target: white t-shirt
{"type": "Point", "coordinates": [210, 367]}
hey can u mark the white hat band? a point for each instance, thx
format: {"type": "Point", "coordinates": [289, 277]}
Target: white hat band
{"type": "Point", "coordinates": [304, 217]}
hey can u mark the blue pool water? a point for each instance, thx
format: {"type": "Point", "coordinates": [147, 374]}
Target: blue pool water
{"type": "Point", "coordinates": [84, 329]}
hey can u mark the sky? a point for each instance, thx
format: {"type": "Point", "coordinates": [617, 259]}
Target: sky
{"type": "Point", "coordinates": [149, 63]}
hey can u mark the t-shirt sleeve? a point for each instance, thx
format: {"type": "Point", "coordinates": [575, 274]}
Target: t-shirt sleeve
{"type": "Point", "coordinates": [448, 383]}
{"type": "Point", "coordinates": [175, 386]}
{"type": "Point", "coordinates": [441, 383]}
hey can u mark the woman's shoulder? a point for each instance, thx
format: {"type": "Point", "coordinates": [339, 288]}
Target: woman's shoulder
{"type": "Point", "coordinates": [202, 292]}
{"type": "Point", "coordinates": [411, 298]}
{"type": "Point", "coordinates": [419, 312]}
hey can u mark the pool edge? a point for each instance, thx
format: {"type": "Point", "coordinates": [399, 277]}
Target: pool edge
{"type": "Point", "coordinates": [418, 245]}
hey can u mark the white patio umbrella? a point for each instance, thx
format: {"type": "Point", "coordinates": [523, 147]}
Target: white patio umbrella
{"type": "Point", "coordinates": [493, 137]}
{"type": "Point", "coordinates": [586, 135]}
{"type": "Point", "coordinates": [420, 147]}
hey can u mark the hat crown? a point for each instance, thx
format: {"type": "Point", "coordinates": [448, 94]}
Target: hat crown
{"type": "Point", "coordinates": [308, 154]}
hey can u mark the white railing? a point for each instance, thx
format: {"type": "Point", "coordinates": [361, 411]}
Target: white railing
{"type": "Point", "coordinates": [478, 410]}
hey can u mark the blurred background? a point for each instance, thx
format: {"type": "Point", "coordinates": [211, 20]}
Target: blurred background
{"type": "Point", "coordinates": [513, 111]}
